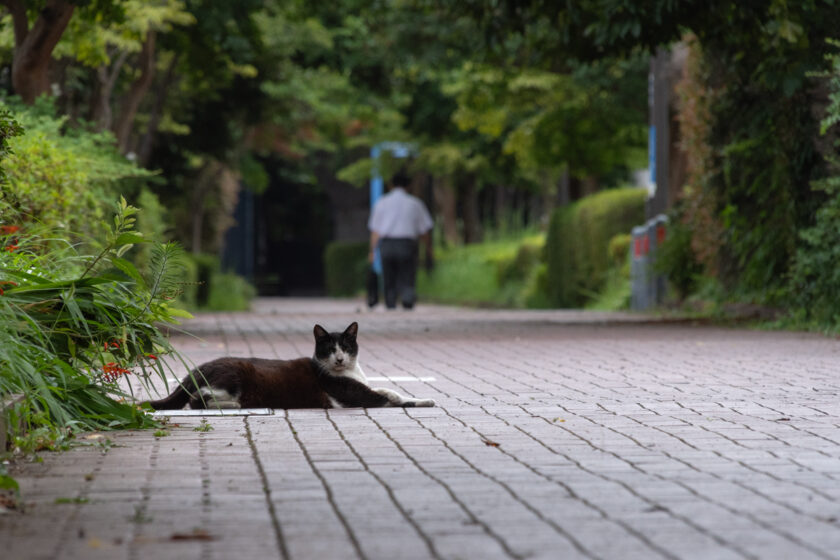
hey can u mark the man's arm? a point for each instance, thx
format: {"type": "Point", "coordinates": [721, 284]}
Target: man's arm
{"type": "Point", "coordinates": [374, 240]}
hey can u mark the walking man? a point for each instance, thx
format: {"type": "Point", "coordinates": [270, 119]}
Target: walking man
{"type": "Point", "coordinates": [397, 221]}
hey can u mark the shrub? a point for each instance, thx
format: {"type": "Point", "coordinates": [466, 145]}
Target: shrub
{"type": "Point", "coordinates": [62, 177]}
{"type": "Point", "coordinates": [345, 265]}
{"type": "Point", "coordinates": [576, 251]}
{"type": "Point", "coordinates": [534, 294]}
{"type": "Point", "coordinates": [676, 259]}
{"type": "Point", "coordinates": [619, 249]}
{"type": "Point", "coordinates": [73, 324]}
{"type": "Point", "coordinates": [815, 274]}
{"type": "Point", "coordinates": [205, 266]}
{"type": "Point", "coordinates": [229, 292]}
{"type": "Point", "coordinates": [205, 286]}
{"type": "Point", "coordinates": [493, 273]}
{"type": "Point", "coordinates": [518, 266]}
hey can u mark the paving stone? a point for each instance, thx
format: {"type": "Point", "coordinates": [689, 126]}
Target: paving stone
{"type": "Point", "coordinates": [559, 434]}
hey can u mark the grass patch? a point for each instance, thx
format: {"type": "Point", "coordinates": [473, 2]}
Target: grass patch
{"type": "Point", "coordinates": [491, 274]}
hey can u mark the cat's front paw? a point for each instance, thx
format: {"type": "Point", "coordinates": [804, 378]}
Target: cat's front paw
{"type": "Point", "coordinates": [425, 402]}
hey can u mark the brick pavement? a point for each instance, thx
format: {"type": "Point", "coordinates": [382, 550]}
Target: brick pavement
{"type": "Point", "coordinates": [557, 435]}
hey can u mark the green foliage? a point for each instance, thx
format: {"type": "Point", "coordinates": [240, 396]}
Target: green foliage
{"type": "Point", "coordinates": [619, 249]}
{"type": "Point", "coordinates": [589, 120]}
{"type": "Point", "coordinates": [74, 325]}
{"type": "Point", "coordinates": [517, 267]}
{"type": "Point", "coordinates": [206, 287]}
{"type": "Point", "coordinates": [229, 292]}
{"type": "Point", "coordinates": [615, 293]}
{"type": "Point", "coordinates": [676, 259]}
{"type": "Point", "coordinates": [59, 176]}
{"type": "Point", "coordinates": [9, 128]}
{"type": "Point", "coordinates": [204, 426]}
{"type": "Point", "coordinates": [500, 273]}
{"type": "Point", "coordinates": [755, 183]}
{"type": "Point", "coordinates": [535, 291]}
{"type": "Point", "coordinates": [578, 239]}
{"type": "Point", "coordinates": [345, 268]}
{"type": "Point", "coordinates": [815, 274]}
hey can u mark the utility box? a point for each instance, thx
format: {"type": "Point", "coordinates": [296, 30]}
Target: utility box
{"type": "Point", "coordinates": [647, 286]}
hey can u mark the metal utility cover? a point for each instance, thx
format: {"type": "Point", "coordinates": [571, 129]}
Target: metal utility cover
{"type": "Point", "coordinates": [215, 412]}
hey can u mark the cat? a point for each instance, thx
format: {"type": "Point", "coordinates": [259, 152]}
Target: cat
{"type": "Point", "coordinates": [332, 378]}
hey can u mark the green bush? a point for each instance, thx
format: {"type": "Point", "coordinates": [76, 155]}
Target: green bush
{"type": "Point", "coordinates": [576, 251]}
{"type": "Point", "coordinates": [229, 292]}
{"type": "Point", "coordinates": [518, 266]}
{"type": "Point", "coordinates": [615, 293]}
{"type": "Point", "coordinates": [815, 274]}
{"type": "Point", "coordinates": [619, 249]}
{"type": "Point", "coordinates": [62, 177]}
{"type": "Point", "coordinates": [72, 324]}
{"type": "Point", "coordinates": [206, 266]}
{"type": "Point", "coordinates": [204, 286]}
{"type": "Point", "coordinates": [534, 294]}
{"type": "Point", "coordinates": [493, 273]}
{"type": "Point", "coordinates": [676, 259]}
{"type": "Point", "coordinates": [345, 267]}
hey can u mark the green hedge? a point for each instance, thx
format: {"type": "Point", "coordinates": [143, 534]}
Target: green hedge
{"type": "Point", "coordinates": [345, 267]}
{"type": "Point", "coordinates": [576, 251]}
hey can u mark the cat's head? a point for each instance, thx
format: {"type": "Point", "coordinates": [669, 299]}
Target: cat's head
{"type": "Point", "coordinates": [337, 352]}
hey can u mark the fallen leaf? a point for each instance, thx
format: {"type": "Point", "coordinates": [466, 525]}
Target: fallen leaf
{"type": "Point", "coordinates": [94, 543]}
{"type": "Point", "coordinates": [8, 503]}
{"type": "Point", "coordinates": [559, 420]}
{"type": "Point", "coordinates": [196, 535]}
{"type": "Point", "coordinates": [489, 443]}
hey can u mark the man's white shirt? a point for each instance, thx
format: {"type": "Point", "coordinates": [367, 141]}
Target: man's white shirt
{"type": "Point", "coordinates": [399, 214]}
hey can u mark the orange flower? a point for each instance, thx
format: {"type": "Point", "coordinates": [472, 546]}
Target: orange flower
{"type": "Point", "coordinates": [6, 283]}
{"type": "Point", "coordinates": [111, 371]}
{"type": "Point", "coordinates": [11, 248]}
{"type": "Point", "coordinates": [151, 356]}
{"type": "Point", "coordinates": [8, 230]}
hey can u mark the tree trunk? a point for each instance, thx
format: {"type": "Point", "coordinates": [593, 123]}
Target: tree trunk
{"type": "Point", "coordinates": [132, 100]}
{"type": "Point", "coordinates": [101, 112]}
{"type": "Point", "coordinates": [34, 47]}
{"type": "Point", "coordinates": [469, 208]}
{"type": "Point", "coordinates": [548, 188]}
{"type": "Point", "coordinates": [446, 204]}
{"type": "Point", "coordinates": [564, 193]}
{"type": "Point", "coordinates": [500, 213]}
{"type": "Point", "coordinates": [144, 151]}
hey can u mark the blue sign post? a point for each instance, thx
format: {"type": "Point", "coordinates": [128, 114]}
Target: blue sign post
{"type": "Point", "coordinates": [377, 184]}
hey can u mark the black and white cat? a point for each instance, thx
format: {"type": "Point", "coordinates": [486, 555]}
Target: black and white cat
{"type": "Point", "coordinates": [330, 379]}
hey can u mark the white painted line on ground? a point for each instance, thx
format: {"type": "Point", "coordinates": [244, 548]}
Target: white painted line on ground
{"type": "Point", "coordinates": [397, 378]}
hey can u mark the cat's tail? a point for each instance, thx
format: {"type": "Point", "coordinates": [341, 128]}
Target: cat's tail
{"type": "Point", "coordinates": [182, 393]}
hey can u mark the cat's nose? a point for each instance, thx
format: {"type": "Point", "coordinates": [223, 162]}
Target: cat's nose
{"type": "Point", "coordinates": [339, 359]}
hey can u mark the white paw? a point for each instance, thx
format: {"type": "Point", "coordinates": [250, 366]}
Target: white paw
{"type": "Point", "coordinates": [425, 402]}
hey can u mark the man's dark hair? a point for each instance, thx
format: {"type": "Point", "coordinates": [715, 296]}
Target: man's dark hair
{"type": "Point", "coordinates": [400, 179]}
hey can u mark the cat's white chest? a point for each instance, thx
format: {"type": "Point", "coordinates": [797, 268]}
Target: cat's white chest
{"type": "Point", "coordinates": [357, 374]}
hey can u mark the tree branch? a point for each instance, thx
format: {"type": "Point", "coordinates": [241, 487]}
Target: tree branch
{"type": "Point", "coordinates": [122, 130]}
{"type": "Point", "coordinates": [48, 28]}
{"type": "Point", "coordinates": [31, 62]}
{"type": "Point", "coordinates": [21, 24]}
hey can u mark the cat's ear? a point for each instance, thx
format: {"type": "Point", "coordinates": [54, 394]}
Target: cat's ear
{"type": "Point", "coordinates": [352, 330]}
{"type": "Point", "coordinates": [320, 331]}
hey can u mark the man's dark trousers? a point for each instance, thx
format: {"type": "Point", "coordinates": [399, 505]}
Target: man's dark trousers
{"type": "Point", "coordinates": [399, 270]}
